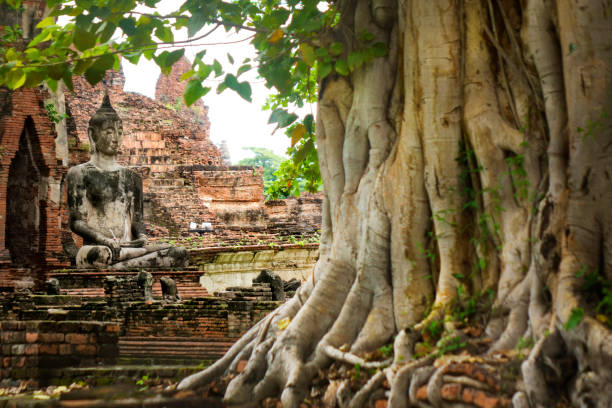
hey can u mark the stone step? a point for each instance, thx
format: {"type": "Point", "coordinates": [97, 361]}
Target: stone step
{"type": "Point", "coordinates": [185, 292]}
{"type": "Point", "coordinates": [167, 348]}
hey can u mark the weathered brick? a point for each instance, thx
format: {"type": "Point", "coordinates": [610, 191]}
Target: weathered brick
{"type": "Point", "coordinates": [17, 349]}
{"type": "Point", "coordinates": [450, 392]}
{"type": "Point", "coordinates": [31, 349]}
{"type": "Point", "coordinates": [48, 349]}
{"type": "Point", "coordinates": [31, 337]}
{"type": "Point", "coordinates": [51, 337]}
{"type": "Point", "coordinates": [112, 328]}
{"type": "Point", "coordinates": [85, 349]}
{"type": "Point", "coordinates": [13, 337]}
{"type": "Point", "coordinates": [11, 325]}
{"type": "Point", "coordinates": [380, 403]}
{"type": "Point", "coordinates": [18, 362]}
{"type": "Point", "coordinates": [77, 338]}
{"type": "Point", "coordinates": [65, 349]}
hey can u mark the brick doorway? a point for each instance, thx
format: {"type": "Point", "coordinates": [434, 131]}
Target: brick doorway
{"type": "Point", "coordinates": [25, 200]}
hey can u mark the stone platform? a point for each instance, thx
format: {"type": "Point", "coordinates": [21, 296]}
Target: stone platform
{"type": "Point", "coordinates": [90, 282]}
{"type": "Point", "coordinates": [42, 336]}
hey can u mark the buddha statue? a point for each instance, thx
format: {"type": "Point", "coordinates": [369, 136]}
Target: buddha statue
{"type": "Point", "coordinates": [105, 205]}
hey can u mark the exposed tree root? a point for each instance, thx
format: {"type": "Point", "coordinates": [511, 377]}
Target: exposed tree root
{"type": "Point", "coordinates": [349, 358]}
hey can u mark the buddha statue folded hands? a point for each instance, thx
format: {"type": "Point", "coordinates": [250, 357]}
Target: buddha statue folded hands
{"type": "Point", "coordinates": [105, 203]}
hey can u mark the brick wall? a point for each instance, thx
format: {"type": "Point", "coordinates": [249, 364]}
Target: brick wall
{"type": "Point", "coordinates": [31, 171]}
{"type": "Point", "coordinates": [295, 215]}
{"type": "Point", "coordinates": [30, 348]}
{"type": "Point", "coordinates": [53, 332]}
{"type": "Point", "coordinates": [205, 318]}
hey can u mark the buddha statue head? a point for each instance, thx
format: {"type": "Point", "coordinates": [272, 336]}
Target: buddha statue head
{"type": "Point", "coordinates": [105, 130]}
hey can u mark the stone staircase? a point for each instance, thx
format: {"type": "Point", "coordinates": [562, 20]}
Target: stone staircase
{"type": "Point", "coordinates": [171, 350]}
{"type": "Point", "coordinates": [90, 283]}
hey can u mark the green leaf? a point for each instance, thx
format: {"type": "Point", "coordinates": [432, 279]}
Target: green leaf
{"type": "Point", "coordinates": [31, 53]}
{"type": "Point", "coordinates": [574, 319]}
{"type": "Point", "coordinates": [308, 54]}
{"type": "Point", "coordinates": [46, 22]}
{"type": "Point", "coordinates": [324, 69]}
{"type": "Point", "coordinates": [366, 36]}
{"type": "Point", "coordinates": [200, 55]}
{"type": "Point", "coordinates": [341, 67]}
{"type": "Point", "coordinates": [309, 123]}
{"type": "Point", "coordinates": [56, 71]}
{"type": "Point", "coordinates": [303, 151]}
{"type": "Point", "coordinates": [242, 88]}
{"type": "Point", "coordinates": [82, 65]}
{"type": "Point", "coordinates": [128, 25]}
{"type": "Point", "coordinates": [321, 52]}
{"type": "Point", "coordinates": [52, 83]}
{"type": "Point", "coordinates": [282, 117]}
{"type": "Point", "coordinates": [83, 40]}
{"type": "Point", "coordinates": [15, 78]}
{"type": "Point", "coordinates": [194, 91]}
{"type": "Point", "coordinates": [204, 71]}
{"type": "Point", "coordinates": [297, 134]}
{"type": "Point", "coordinates": [95, 73]}
{"type": "Point", "coordinates": [133, 58]}
{"type": "Point", "coordinates": [44, 35]}
{"type": "Point", "coordinates": [187, 74]}
{"type": "Point", "coordinates": [11, 55]}
{"type": "Point", "coordinates": [336, 48]}
{"type": "Point", "coordinates": [166, 59]}
{"type": "Point", "coordinates": [34, 78]}
{"type": "Point", "coordinates": [174, 56]}
{"type": "Point", "coordinates": [67, 78]}
{"type": "Point", "coordinates": [107, 31]}
{"type": "Point", "coordinates": [230, 58]}
{"type": "Point", "coordinates": [164, 34]}
{"type": "Point", "coordinates": [380, 49]}
{"type": "Point", "coordinates": [196, 22]}
{"type": "Point", "coordinates": [243, 69]}
{"type": "Point", "coordinates": [355, 59]}
{"type": "Point", "coordinates": [217, 68]}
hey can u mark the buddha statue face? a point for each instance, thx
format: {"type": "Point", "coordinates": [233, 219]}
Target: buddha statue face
{"type": "Point", "coordinates": [107, 137]}
{"type": "Point", "coordinates": [105, 130]}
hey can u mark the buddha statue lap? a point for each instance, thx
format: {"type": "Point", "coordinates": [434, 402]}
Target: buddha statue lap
{"type": "Point", "coordinates": [105, 203]}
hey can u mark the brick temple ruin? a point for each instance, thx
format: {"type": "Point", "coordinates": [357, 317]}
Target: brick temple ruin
{"type": "Point", "coordinates": [185, 179]}
{"type": "Point", "coordinates": [100, 317]}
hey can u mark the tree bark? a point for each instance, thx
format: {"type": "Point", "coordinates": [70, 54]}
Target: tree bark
{"type": "Point", "coordinates": [474, 158]}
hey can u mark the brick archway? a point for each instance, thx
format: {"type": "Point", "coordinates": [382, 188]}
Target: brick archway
{"type": "Point", "coordinates": [25, 228]}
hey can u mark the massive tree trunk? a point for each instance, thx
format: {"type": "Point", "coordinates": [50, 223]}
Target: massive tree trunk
{"type": "Point", "coordinates": [475, 158]}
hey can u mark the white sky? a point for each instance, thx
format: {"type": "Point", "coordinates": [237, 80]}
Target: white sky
{"type": "Point", "coordinates": [240, 123]}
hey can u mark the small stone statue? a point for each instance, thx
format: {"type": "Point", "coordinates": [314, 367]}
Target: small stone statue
{"type": "Point", "coordinates": [169, 289]}
{"type": "Point", "coordinates": [52, 287]}
{"type": "Point", "coordinates": [145, 282]}
{"type": "Point", "coordinates": [276, 283]}
{"type": "Point", "coordinates": [105, 205]}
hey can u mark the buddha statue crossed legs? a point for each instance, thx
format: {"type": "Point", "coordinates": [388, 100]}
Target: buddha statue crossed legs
{"type": "Point", "coordinates": [105, 205]}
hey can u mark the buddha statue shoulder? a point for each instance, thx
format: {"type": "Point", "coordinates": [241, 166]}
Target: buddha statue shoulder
{"type": "Point", "coordinates": [105, 204]}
